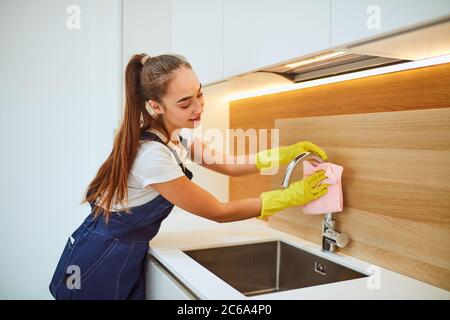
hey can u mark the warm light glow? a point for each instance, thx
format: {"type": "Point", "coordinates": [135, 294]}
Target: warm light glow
{"type": "Point", "coordinates": [319, 58]}
{"type": "Point", "coordinates": [344, 77]}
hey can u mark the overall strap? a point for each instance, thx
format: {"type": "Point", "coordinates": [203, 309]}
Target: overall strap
{"type": "Point", "coordinates": [150, 136]}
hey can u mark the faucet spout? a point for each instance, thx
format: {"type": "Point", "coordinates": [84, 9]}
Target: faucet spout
{"type": "Point", "coordinates": [290, 168]}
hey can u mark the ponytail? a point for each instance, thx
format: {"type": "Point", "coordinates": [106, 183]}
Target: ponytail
{"type": "Point", "coordinates": [145, 78]}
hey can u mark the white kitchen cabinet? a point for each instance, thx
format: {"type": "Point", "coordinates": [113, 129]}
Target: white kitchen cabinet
{"type": "Point", "coordinates": [197, 34]}
{"type": "Point", "coordinates": [259, 33]}
{"type": "Point", "coordinates": [160, 285]}
{"type": "Point", "coordinates": [356, 20]}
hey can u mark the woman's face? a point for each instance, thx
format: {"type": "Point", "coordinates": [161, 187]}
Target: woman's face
{"type": "Point", "coordinates": [183, 100]}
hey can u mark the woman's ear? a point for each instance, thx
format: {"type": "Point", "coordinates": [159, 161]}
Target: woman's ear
{"type": "Point", "coordinates": [155, 107]}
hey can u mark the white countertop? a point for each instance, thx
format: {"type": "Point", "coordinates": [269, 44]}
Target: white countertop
{"type": "Point", "coordinates": [184, 231]}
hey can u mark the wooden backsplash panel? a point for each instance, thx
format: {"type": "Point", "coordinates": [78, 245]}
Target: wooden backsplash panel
{"type": "Point", "coordinates": [395, 182]}
{"type": "Point", "coordinates": [420, 88]}
{"type": "Point", "coordinates": [390, 226]}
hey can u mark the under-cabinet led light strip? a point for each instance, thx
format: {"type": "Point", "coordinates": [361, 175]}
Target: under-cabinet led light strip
{"type": "Point", "coordinates": [343, 77]}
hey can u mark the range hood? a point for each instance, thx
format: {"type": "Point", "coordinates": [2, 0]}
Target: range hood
{"type": "Point", "coordinates": [415, 43]}
{"type": "Point", "coordinates": [328, 64]}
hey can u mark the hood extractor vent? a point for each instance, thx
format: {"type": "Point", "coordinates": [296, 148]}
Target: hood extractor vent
{"type": "Point", "coordinates": [329, 64]}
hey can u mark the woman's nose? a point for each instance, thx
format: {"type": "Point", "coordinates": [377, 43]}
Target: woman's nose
{"type": "Point", "coordinates": [198, 107]}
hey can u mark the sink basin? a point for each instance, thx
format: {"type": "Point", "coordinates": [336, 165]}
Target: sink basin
{"type": "Point", "coordinates": [267, 267]}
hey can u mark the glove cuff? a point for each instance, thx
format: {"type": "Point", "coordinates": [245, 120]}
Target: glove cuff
{"type": "Point", "coordinates": [274, 201]}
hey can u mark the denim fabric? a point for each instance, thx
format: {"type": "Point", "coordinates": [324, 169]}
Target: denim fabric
{"type": "Point", "coordinates": [111, 257]}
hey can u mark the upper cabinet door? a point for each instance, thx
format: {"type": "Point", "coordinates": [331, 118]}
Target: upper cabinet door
{"type": "Point", "coordinates": [197, 34]}
{"type": "Point", "coordinates": [353, 20]}
{"type": "Point", "coordinates": [259, 33]}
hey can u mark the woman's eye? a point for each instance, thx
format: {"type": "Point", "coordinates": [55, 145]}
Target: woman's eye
{"type": "Point", "coordinates": [187, 105]}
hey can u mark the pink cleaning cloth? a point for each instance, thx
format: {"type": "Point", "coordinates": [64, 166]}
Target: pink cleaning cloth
{"type": "Point", "coordinates": [333, 200]}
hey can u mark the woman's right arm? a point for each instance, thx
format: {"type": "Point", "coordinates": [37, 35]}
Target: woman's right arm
{"type": "Point", "coordinates": [185, 194]}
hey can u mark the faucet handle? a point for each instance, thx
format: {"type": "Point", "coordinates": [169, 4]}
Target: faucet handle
{"type": "Point", "coordinates": [342, 240]}
{"type": "Point", "coordinates": [339, 239]}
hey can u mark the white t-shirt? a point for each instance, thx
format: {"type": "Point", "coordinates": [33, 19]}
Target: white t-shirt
{"type": "Point", "coordinates": [154, 163]}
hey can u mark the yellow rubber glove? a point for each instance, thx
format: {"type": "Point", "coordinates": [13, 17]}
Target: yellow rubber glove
{"type": "Point", "coordinates": [298, 193]}
{"type": "Point", "coordinates": [283, 155]}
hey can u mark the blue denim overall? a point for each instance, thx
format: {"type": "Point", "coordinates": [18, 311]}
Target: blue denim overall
{"type": "Point", "coordinates": [111, 257]}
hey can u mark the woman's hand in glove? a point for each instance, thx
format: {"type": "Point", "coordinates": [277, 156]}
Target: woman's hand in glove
{"type": "Point", "coordinates": [283, 155]}
{"type": "Point", "coordinates": [298, 193]}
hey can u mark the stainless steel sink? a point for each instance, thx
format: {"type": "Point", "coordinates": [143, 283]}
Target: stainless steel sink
{"type": "Point", "coordinates": [266, 267]}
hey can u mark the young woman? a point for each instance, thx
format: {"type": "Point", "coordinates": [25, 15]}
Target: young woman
{"type": "Point", "coordinates": [145, 176]}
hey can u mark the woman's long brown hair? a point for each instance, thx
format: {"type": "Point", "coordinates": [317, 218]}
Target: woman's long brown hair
{"type": "Point", "coordinates": [142, 83]}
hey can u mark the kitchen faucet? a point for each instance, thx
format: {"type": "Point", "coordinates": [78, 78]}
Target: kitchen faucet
{"type": "Point", "coordinates": [330, 237]}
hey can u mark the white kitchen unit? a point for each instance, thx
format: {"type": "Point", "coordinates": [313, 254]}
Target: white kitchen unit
{"type": "Point", "coordinates": [358, 20]}
{"type": "Point", "coordinates": [197, 34]}
{"type": "Point", "coordinates": [160, 285]}
{"type": "Point", "coordinates": [260, 33]}
{"type": "Point", "coordinates": [226, 38]}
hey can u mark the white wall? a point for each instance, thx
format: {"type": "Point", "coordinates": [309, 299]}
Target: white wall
{"type": "Point", "coordinates": [59, 102]}
{"type": "Point", "coordinates": [147, 27]}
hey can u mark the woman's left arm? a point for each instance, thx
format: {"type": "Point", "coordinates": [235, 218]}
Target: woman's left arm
{"type": "Point", "coordinates": [213, 159]}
